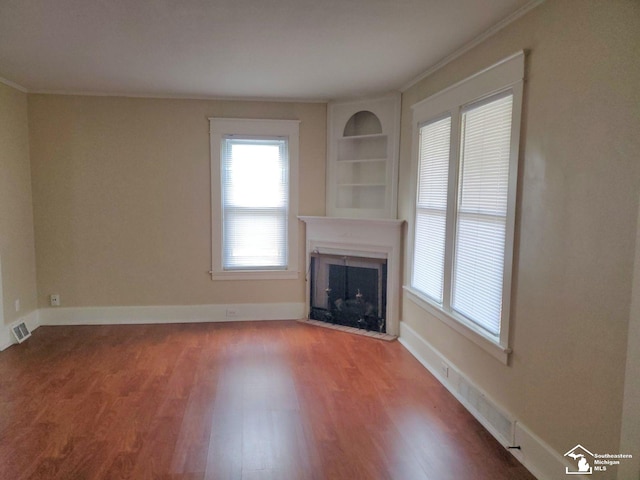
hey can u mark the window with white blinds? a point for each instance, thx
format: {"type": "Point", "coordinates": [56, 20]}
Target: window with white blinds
{"type": "Point", "coordinates": [482, 212]}
{"type": "Point", "coordinates": [255, 199]}
{"type": "Point", "coordinates": [254, 191]}
{"type": "Point", "coordinates": [431, 208]}
{"type": "Point", "coordinates": [466, 149]}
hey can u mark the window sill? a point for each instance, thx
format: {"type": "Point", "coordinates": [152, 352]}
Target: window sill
{"type": "Point", "coordinates": [466, 329]}
{"type": "Point", "coordinates": [255, 275]}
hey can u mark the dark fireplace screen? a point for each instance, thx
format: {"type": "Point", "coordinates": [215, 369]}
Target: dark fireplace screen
{"type": "Point", "coordinates": [349, 291]}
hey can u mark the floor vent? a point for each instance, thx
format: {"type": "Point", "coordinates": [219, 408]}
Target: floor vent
{"type": "Point", "coordinates": [487, 412]}
{"type": "Point", "coordinates": [20, 331]}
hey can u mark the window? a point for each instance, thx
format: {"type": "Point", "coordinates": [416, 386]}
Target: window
{"type": "Point", "coordinates": [431, 209]}
{"type": "Point", "coordinates": [481, 213]}
{"type": "Point", "coordinates": [254, 172]}
{"type": "Point", "coordinates": [255, 201]}
{"type": "Point", "coordinates": [466, 144]}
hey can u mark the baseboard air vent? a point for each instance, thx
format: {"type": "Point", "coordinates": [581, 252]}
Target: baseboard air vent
{"type": "Point", "coordinates": [489, 414]}
{"type": "Point", "coordinates": [20, 331]}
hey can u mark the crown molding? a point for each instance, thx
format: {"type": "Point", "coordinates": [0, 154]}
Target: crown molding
{"type": "Point", "coordinates": [82, 93]}
{"type": "Point", "coordinates": [13, 85]}
{"type": "Point", "coordinates": [473, 43]}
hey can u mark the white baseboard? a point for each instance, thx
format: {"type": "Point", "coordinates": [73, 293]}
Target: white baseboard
{"type": "Point", "coordinates": [539, 458]}
{"type": "Point", "coordinates": [6, 337]}
{"type": "Point", "coordinates": [32, 319]}
{"type": "Point", "coordinates": [154, 314]}
{"type": "Point", "coordinates": [535, 454]}
{"type": "Point", "coordinates": [170, 314]}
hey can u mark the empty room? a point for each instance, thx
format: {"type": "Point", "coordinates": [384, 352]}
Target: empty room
{"type": "Point", "coordinates": [357, 239]}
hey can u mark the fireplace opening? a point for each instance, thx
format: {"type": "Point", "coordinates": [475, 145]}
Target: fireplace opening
{"type": "Point", "coordinates": [349, 291]}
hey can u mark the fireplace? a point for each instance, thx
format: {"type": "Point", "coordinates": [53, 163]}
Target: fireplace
{"type": "Point", "coordinates": [349, 291]}
{"type": "Point", "coordinates": [354, 272]}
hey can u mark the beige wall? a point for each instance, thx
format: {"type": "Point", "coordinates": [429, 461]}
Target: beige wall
{"type": "Point", "coordinates": [121, 190]}
{"type": "Point", "coordinates": [576, 222]}
{"type": "Point", "coordinates": [630, 434]}
{"type": "Point", "coordinates": [17, 254]}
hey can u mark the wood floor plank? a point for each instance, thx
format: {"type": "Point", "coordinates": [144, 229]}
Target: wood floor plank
{"type": "Point", "coordinates": [248, 400]}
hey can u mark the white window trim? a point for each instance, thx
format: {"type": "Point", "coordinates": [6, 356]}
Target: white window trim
{"type": "Point", "coordinates": [218, 128]}
{"type": "Point", "coordinates": [507, 74]}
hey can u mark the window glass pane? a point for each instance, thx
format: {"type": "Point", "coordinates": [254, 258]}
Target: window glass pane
{"type": "Point", "coordinates": [477, 288]}
{"type": "Point", "coordinates": [255, 189]}
{"type": "Point", "coordinates": [254, 238]}
{"type": "Point", "coordinates": [431, 208]}
{"type": "Point", "coordinates": [434, 164]}
{"type": "Point", "coordinates": [481, 212]}
{"type": "Point", "coordinates": [428, 260]}
{"type": "Point", "coordinates": [256, 173]}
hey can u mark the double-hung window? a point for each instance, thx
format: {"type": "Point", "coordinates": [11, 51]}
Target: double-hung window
{"type": "Point", "coordinates": [254, 171]}
{"type": "Point", "coordinates": [466, 153]}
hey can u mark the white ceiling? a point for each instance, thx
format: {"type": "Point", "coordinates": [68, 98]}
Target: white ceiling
{"type": "Point", "coordinates": [286, 49]}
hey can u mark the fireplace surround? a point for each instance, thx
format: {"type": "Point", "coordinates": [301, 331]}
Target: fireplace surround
{"type": "Point", "coordinates": [349, 246]}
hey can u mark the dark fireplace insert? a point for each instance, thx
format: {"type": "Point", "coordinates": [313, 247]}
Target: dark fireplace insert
{"type": "Point", "coordinates": [348, 290]}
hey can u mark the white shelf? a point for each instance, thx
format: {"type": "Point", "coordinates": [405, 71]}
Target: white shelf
{"type": "Point", "coordinates": [361, 185]}
{"type": "Point", "coordinates": [361, 173]}
{"type": "Point", "coordinates": [362, 158]}
{"type": "Point", "coordinates": [362, 147]}
{"type": "Point", "coordinates": [359, 137]}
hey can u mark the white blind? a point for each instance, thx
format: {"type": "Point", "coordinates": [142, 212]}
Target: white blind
{"type": "Point", "coordinates": [482, 211]}
{"type": "Point", "coordinates": [255, 200]}
{"type": "Point", "coordinates": [431, 208]}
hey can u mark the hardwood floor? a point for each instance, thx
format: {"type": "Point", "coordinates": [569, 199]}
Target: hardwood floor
{"type": "Point", "coordinates": [254, 400]}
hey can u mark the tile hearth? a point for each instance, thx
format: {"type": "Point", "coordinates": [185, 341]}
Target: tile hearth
{"type": "Point", "coordinates": [357, 331]}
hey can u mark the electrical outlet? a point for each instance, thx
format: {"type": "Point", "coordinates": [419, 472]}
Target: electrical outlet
{"type": "Point", "coordinates": [232, 313]}
{"type": "Point", "coordinates": [445, 369]}
{"type": "Point", "coordinates": [55, 300]}
{"type": "Point", "coordinates": [17, 304]}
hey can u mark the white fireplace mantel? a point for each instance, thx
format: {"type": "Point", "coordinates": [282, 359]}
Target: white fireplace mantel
{"type": "Point", "coordinates": [371, 238]}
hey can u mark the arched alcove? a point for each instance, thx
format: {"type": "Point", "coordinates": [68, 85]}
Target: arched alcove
{"type": "Point", "coordinates": [363, 122]}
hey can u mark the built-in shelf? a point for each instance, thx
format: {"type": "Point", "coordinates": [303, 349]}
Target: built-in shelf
{"type": "Point", "coordinates": [361, 197]}
{"type": "Point", "coordinates": [362, 158]}
{"type": "Point", "coordinates": [361, 185]}
{"type": "Point", "coordinates": [362, 147]}
{"type": "Point", "coordinates": [359, 137]}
